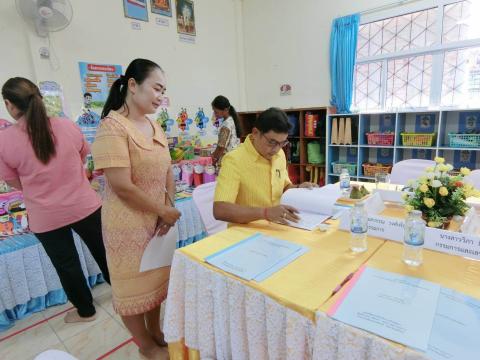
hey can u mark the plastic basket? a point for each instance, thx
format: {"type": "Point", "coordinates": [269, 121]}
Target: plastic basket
{"type": "Point", "coordinates": [418, 139]}
{"type": "Point", "coordinates": [376, 138]}
{"type": "Point", "coordinates": [338, 166]}
{"type": "Point", "coordinates": [464, 140]}
{"type": "Point", "coordinates": [370, 169]}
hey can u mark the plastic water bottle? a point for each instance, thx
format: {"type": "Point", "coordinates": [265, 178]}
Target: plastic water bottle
{"type": "Point", "coordinates": [345, 182]}
{"type": "Point", "coordinates": [358, 228]}
{"type": "Point", "coordinates": [413, 238]}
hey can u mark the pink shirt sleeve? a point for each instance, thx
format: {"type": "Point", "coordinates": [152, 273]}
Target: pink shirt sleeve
{"type": "Point", "coordinates": [6, 172]}
{"type": "Point", "coordinates": [83, 146]}
{"type": "Point", "coordinates": [85, 150]}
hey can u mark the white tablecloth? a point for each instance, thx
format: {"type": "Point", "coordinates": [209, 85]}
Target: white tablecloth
{"type": "Point", "coordinates": [225, 319]}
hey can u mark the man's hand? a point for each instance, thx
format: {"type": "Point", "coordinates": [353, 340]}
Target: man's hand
{"type": "Point", "coordinates": [307, 185]}
{"type": "Point", "coordinates": [281, 214]}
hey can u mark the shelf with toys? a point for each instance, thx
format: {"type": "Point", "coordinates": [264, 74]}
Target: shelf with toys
{"type": "Point", "coordinates": [379, 140]}
{"type": "Point", "coordinates": [13, 215]}
{"type": "Point", "coordinates": [191, 143]}
{"type": "Point", "coordinates": [306, 149]}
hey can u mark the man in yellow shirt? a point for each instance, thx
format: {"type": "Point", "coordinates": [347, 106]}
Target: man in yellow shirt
{"type": "Point", "coordinates": [254, 176]}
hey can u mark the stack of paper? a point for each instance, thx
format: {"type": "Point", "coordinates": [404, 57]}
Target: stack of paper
{"type": "Point", "coordinates": [256, 257]}
{"type": "Point", "coordinates": [455, 327]}
{"type": "Point", "coordinates": [397, 307]}
{"type": "Point", "coordinates": [314, 205]}
{"type": "Point", "coordinates": [440, 322]}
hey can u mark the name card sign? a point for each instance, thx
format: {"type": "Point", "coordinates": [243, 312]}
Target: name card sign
{"type": "Point", "coordinates": [453, 243]}
{"type": "Point", "coordinates": [379, 226]}
{"type": "Point", "coordinates": [445, 241]}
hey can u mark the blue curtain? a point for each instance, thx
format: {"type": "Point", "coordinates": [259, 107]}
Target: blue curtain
{"type": "Point", "coordinates": [343, 47]}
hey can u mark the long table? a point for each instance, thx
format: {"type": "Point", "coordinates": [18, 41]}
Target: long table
{"type": "Point", "coordinates": [212, 314]}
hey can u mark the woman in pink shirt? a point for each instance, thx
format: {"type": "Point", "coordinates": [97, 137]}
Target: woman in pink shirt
{"type": "Point", "coordinates": [44, 158]}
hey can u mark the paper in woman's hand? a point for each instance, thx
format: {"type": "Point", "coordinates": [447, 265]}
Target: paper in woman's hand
{"type": "Point", "coordinates": [159, 251]}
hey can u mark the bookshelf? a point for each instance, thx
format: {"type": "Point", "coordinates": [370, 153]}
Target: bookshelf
{"type": "Point", "coordinates": [299, 167]}
{"type": "Point", "coordinates": [440, 122]}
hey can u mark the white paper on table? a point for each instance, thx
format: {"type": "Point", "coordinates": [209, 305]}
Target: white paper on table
{"type": "Point", "coordinates": [374, 204]}
{"type": "Point", "coordinates": [159, 251]}
{"type": "Point", "coordinates": [315, 205]}
{"type": "Point", "coordinates": [390, 195]}
{"type": "Point", "coordinates": [455, 329]}
{"type": "Point", "coordinates": [397, 307]}
{"type": "Point", "coordinates": [471, 224]}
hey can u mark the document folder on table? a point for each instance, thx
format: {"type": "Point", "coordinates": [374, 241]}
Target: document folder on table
{"type": "Point", "coordinates": [256, 257]}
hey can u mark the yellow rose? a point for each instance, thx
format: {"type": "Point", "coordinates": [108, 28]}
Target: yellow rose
{"type": "Point", "coordinates": [465, 171]}
{"type": "Point", "coordinates": [423, 188]}
{"type": "Point", "coordinates": [442, 168]}
{"type": "Point", "coordinates": [470, 191]}
{"type": "Point", "coordinates": [429, 169]}
{"type": "Point", "coordinates": [429, 202]}
{"type": "Point", "coordinates": [439, 160]}
{"type": "Point", "coordinates": [434, 224]}
{"type": "Point", "coordinates": [408, 208]}
{"type": "Point", "coordinates": [443, 191]}
{"type": "Point", "coordinates": [423, 179]}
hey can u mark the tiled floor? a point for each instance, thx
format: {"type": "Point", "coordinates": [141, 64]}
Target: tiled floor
{"type": "Point", "coordinates": [104, 338]}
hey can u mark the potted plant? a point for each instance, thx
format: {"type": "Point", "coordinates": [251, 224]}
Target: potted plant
{"type": "Point", "coordinates": [439, 194]}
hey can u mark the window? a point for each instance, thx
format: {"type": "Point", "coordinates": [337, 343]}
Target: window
{"type": "Point", "coordinates": [461, 77]}
{"type": "Point", "coordinates": [411, 31]}
{"type": "Point", "coordinates": [459, 22]}
{"type": "Point", "coordinates": [368, 85]}
{"type": "Point", "coordinates": [424, 58]}
{"type": "Point", "coordinates": [408, 82]}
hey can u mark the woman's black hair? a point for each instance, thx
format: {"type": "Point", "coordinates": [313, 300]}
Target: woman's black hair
{"type": "Point", "coordinates": [222, 103]}
{"type": "Point", "coordinates": [139, 69]}
{"type": "Point", "coordinates": [27, 98]}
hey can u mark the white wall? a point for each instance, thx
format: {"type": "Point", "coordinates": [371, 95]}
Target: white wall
{"type": "Point", "coordinates": [287, 42]}
{"type": "Point", "coordinates": [245, 49]}
{"type": "Point", "coordinates": [15, 54]}
{"type": "Point", "coordinates": [100, 33]}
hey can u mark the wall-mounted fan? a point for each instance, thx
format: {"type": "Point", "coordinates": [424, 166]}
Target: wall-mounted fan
{"type": "Point", "coordinates": [45, 15]}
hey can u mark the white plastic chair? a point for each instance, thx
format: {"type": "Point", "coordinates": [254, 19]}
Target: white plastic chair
{"type": "Point", "coordinates": [474, 178]}
{"type": "Point", "coordinates": [410, 169]}
{"type": "Point", "coordinates": [203, 197]}
{"type": "Point", "coordinates": [54, 355]}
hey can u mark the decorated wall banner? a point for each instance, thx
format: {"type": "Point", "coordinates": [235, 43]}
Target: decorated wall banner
{"type": "Point", "coordinates": [96, 82]}
{"type": "Point", "coordinates": [201, 121]}
{"type": "Point", "coordinates": [53, 98]}
{"type": "Point", "coordinates": [161, 7]}
{"type": "Point", "coordinates": [184, 121]}
{"type": "Point", "coordinates": [136, 9]}
{"type": "Point", "coordinates": [165, 121]}
{"type": "Point", "coordinates": [185, 17]}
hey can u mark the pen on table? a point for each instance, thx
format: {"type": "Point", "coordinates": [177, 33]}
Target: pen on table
{"type": "Point", "coordinates": [337, 289]}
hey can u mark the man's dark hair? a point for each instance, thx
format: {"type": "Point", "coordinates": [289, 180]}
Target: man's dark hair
{"type": "Point", "coordinates": [273, 119]}
{"type": "Point", "coordinates": [87, 94]}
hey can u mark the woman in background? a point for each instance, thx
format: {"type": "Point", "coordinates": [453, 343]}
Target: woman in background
{"type": "Point", "coordinates": [44, 157]}
{"type": "Point", "coordinates": [230, 131]}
